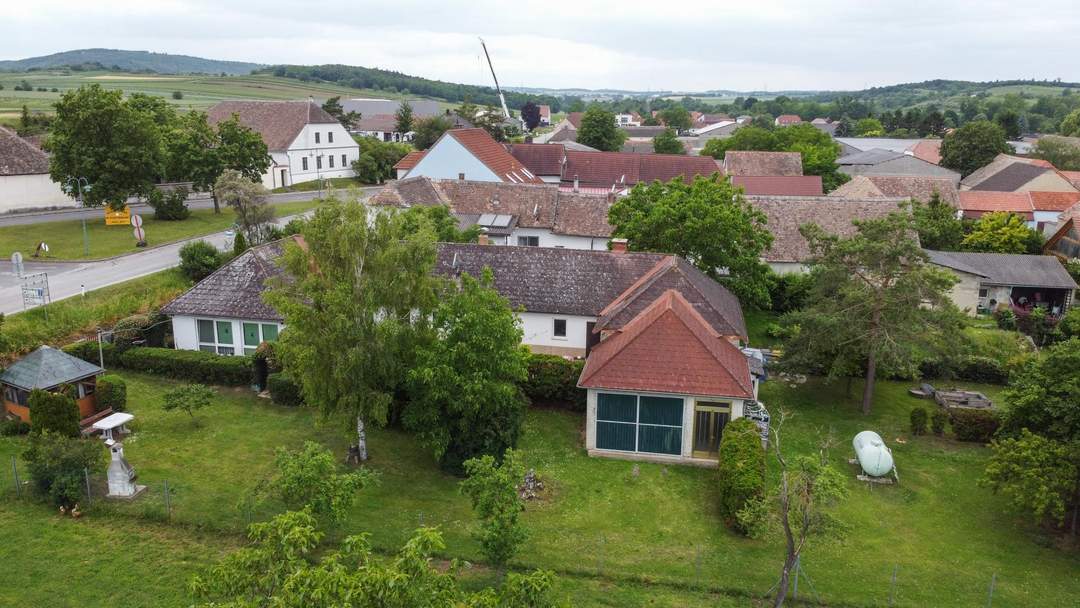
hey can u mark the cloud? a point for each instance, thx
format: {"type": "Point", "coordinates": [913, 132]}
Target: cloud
{"type": "Point", "coordinates": [778, 44]}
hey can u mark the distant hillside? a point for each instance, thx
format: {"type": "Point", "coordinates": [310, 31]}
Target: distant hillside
{"type": "Point", "coordinates": [130, 61]}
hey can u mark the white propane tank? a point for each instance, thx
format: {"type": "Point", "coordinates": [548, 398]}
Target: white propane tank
{"type": "Point", "coordinates": [874, 456]}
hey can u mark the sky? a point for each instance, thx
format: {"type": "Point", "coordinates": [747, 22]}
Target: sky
{"type": "Point", "coordinates": [625, 44]}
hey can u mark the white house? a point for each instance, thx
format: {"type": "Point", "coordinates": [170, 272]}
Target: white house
{"type": "Point", "coordinates": [24, 177]}
{"type": "Point", "coordinates": [471, 154]}
{"type": "Point", "coordinates": [305, 142]}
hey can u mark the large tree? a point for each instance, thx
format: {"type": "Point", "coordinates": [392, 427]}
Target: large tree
{"type": "Point", "coordinates": [254, 214]}
{"type": "Point", "coordinates": [668, 143]}
{"type": "Point", "coordinates": [937, 224]}
{"type": "Point", "coordinates": [403, 118]}
{"type": "Point", "coordinates": [972, 146]}
{"type": "Point", "coordinates": [876, 304]}
{"type": "Point", "coordinates": [1002, 232]}
{"type": "Point", "coordinates": [1043, 395]}
{"type": "Point", "coordinates": [113, 143]}
{"type": "Point", "coordinates": [198, 152]}
{"type": "Point", "coordinates": [1039, 475]}
{"type": "Point", "coordinates": [599, 130]}
{"type": "Point", "coordinates": [358, 301]}
{"type": "Point", "coordinates": [464, 385]}
{"type": "Point", "coordinates": [708, 222]}
{"type": "Point", "coordinates": [676, 117]}
{"type": "Point", "coordinates": [333, 107]}
{"type": "Point", "coordinates": [530, 115]}
{"type": "Point", "coordinates": [377, 159]}
{"type": "Point", "coordinates": [818, 150]}
{"type": "Point", "coordinates": [1063, 153]}
{"type": "Point", "coordinates": [429, 130]}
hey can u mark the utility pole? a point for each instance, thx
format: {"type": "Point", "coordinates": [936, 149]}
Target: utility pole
{"type": "Point", "coordinates": [78, 184]}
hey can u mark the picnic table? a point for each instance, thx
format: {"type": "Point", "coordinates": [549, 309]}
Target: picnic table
{"type": "Point", "coordinates": [112, 422]}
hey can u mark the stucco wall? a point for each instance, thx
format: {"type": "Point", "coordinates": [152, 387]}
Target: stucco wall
{"type": "Point", "coordinates": [447, 158]}
{"type": "Point", "coordinates": [787, 267]}
{"type": "Point", "coordinates": [19, 192]}
{"type": "Point", "coordinates": [965, 294]}
{"type": "Point", "coordinates": [304, 146]}
{"type": "Point", "coordinates": [550, 239]}
{"type": "Point", "coordinates": [537, 331]}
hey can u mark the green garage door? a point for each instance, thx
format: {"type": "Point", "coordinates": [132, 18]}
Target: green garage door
{"type": "Point", "coordinates": [616, 422]}
{"type": "Point", "coordinates": [632, 423]}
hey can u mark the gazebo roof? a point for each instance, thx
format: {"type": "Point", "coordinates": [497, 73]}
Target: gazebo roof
{"type": "Point", "coordinates": [47, 367]}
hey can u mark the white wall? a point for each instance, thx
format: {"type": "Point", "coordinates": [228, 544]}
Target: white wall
{"type": "Point", "coordinates": [447, 158]}
{"type": "Point", "coordinates": [538, 327]}
{"type": "Point", "coordinates": [304, 146]}
{"type": "Point", "coordinates": [787, 267]}
{"type": "Point", "coordinates": [186, 332]}
{"type": "Point", "coordinates": [550, 239]}
{"type": "Point", "coordinates": [30, 192]}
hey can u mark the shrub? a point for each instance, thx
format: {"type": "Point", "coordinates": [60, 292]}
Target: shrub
{"type": "Point", "coordinates": [177, 94]}
{"type": "Point", "coordinates": [974, 425]}
{"type": "Point", "coordinates": [55, 412]}
{"type": "Point", "coordinates": [198, 259]}
{"type": "Point", "coordinates": [982, 369]}
{"type": "Point", "coordinates": [87, 350]}
{"type": "Point", "coordinates": [194, 365]}
{"type": "Point", "coordinates": [741, 469]}
{"type": "Point", "coordinates": [169, 206]}
{"type": "Point", "coordinates": [239, 243]}
{"type": "Point", "coordinates": [9, 428]}
{"type": "Point", "coordinates": [130, 331]}
{"type": "Point", "coordinates": [938, 420]}
{"type": "Point", "coordinates": [111, 393]}
{"type": "Point", "coordinates": [492, 489]}
{"type": "Point", "coordinates": [776, 331]}
{"type": "Point", "coordinates": [188, 397]}
{"type": "Point", "coordinates": [283, 390]}
{"type": "Point", "coordinates": [552, 381]}
{"type": "Point", "coordinates": [1006, 319]}
{"type": "Point", "coordinates": [788, 292]}
{"type": "Point", "coordinates": [309, 478]}
{"type": "Point", "coordinates": [918, 421]}
{"type": "Point", "coordinates": [57, 464]}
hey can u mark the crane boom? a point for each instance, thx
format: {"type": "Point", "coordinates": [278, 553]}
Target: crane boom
{"type": "Point", "coordinates": [502, 99]}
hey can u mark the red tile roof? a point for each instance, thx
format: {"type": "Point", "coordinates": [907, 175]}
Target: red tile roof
{"type": "Point", "coordinates": [780, 185]}
{"type": "Point", "coordinates": [278, 122]}
{"type": "Point", "coordinates": [975, 203]}
{"type": "Point", "coordinates": [545, 110]}
{"type": "Point", "coordinates": [928, 150]}
{"type": "Point", "coordinates": [1053, 201]}
{"type": "Point", "coordinates": [788, 119]}
{"type": "Point", "coordinates": [606, 168]}
{"type": "Point", "coordinates": [541, 159]}
{"type": "Point", "coordinates": [409, 160]}
{"type": "Point", "coordinates": [669, 348]}
{"type": "Point", "coordinates": [494, 156]}
{"type": "Point", "coordinates": [1072, 176]}
{"type": "Point", "coordinates": [575, 118]}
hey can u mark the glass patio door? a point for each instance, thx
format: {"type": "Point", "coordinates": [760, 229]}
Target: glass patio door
{"type": "Point", "coordinates": [709, 420]}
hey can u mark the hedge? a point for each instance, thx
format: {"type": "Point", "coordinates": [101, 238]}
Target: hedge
{"type": "Point", "coordinates": [193, 365]}
{"type": "Point", "coordinates": [974, 425]}
{"type": "Point", "coordinates": [111, 393]}
{"type": "Point", "coordinates": [283, 390]}
{"type": "Point", "coordinates": [741, 468]}
{"type": "Point", "coordinates": [552, 381]}
{"type": "Point", "coordinates": [918, 421]}
{"type": "Point", "coordinates": [14, 426]}
{"type": "Point", "coordinates": [55, 412]}
{"type": "Point", "coordinates": [972, 368]}
{"type": "Point", "coordinates": [87, 350]}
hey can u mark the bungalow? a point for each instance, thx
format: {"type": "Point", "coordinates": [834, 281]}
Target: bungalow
{"type": "Point", "coordinates": [25, 182]}
{"type": "Point", "coordinates": [49, 369]}
{"type": "Point", "coordinates": [1021, 282]}
{"type": "Point", "coordinates": [878, 161]}
{"type": "Point", "coordinates": [920, 188]}
{"type": "Point", "coordinates": [471, 154]}
{"type": "Point", "coordinates": [382, 127]}
{"type": "Point", "coordinates": [1014, 174]}
{"type": "Point", "coordinates": [305, 142]}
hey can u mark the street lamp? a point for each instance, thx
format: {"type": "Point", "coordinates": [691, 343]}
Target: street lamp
{"type": "Point", "coordinates": [79, 184]}
{"type": "Point", "coordinates": [318, 170]}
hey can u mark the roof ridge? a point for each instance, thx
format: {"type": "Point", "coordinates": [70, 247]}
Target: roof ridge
{"type": "Point", "coordinates": [654, 311]}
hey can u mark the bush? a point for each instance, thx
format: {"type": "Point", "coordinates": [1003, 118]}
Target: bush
{"type": "Point", "coordinates": [982, 369]}
{"type": "Point", "coordinates": [938, 420]}
{"type": "Point", "coordinates": [169, 206]}
{"type": "Point", "coordinates": [177, 94]}
{"type": "Point", "coordinates": [87, 350]}
{"type": "Point", "coordinates": [111, 393]}
{"type": "Point", "coordinates": [9, 428]}
{"type": "Point", "coordinates": [552, 381]}
{"type": "Point", "coordinates": [55, 412]}
{"type": "Point", "coordinates": [974, 425]}
{"type": "Point", "coordinates": [57, 464]}
{"type": "Point", "coordinates": [918, 421]}
{"type": "Point", "coordinates": [130, 331]}
{"type": "Point", "coordinates": [776, 331]}
{"type": "Point", "coordinates": [284, 391]}
{"type": "Point", "coordinates": [198, 259]}
{"type": "Point", "coordinates": [193, 365]}
{"type": "Point", "coordinates": [1006, 319]}
{"type": "Point", "coordinates": [788, 292]}
{"type": "Point", "coordinates": [741, 469]}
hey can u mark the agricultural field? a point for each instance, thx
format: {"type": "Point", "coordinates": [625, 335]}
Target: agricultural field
{"type": "Point", "coordinates": [616, 533]}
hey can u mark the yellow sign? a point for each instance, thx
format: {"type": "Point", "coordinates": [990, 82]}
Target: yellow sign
{"type": "Point", "coordinates": [117, 218]}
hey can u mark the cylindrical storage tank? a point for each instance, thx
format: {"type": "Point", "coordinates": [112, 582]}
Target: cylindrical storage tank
{"type": "Point", "coordinates": [874, 456]}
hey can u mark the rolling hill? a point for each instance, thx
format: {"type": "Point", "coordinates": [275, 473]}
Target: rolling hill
{"type": "Point", "coordinates": [130, 61]}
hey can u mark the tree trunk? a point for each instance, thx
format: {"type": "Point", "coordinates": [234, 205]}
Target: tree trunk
{"type": "Point", "coordinates": [871, 362]}
{"type": "Point", "coordinates": [213, 197]}
{"type": "Point", "coordinates": [361, 439]}
{"type": "Point", "coordinates": [791, 556]}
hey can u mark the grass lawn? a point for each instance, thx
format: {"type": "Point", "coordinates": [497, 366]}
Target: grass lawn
{"type": "Point", "coordinates": [65, 238]}
{"type": "Point", "coordinates": [609, 532]}
{"type": "Point", "coordinates": [76, 317]}
{"type": "Point", "coordinates": [341, 183]}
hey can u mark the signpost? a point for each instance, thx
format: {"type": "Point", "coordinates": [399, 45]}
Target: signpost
{"type": "Point", "coordinates": [118, 218]}
{"type": "Point", "coordinates": [35, 291]}
{"type": "Point", "coordinates": [17, 264]}
{"type": "Point", "coordinates": [140, 234]}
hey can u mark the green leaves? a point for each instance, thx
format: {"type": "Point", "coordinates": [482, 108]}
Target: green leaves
{"type": "Point", "coordinates": [973, 146]}
{"type": "Point", "coordinates": [1002, 232]}
{"type": "Point", "coordinates": [1037, 475]}
{"type": "Point", "coordinates": [308, 478]}
{"type": "Point", "coordinates": [188, 398]}
{"type": "Point", "coordinates": [493, 491]}
{"type": "Point", "coordinates": [598, 130]}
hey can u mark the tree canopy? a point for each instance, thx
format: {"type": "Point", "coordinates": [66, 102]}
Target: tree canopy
{"type": "Point", "coordinates": [1002, 232]}
{"type": "Point", "coordinates": [429, 130]}
{"type": "Point", "coordinates": [200, 153]}
{"type": "Point", "coordinates": [333, 107]}
{"type": "Point", "coordinates": [676, 117]}
{"type": "Point", "coordinates": [818, 149]}
{"type": "Point", "coordinates": [937, 224]}
{"type": "Point", "coordinates": [1062, 152]}
{"type": "Point", "coordinates": [668, 143]}
{"type": "Point", "coordinates": [973, 146]}
{"type": "Point", "coordinates": [403, 118]}
{"type": "Point", "coordinates": [530, 114]}
{"type": "Point", "coordinates": [598, 130]}
{"type": "Point", "coordinates": [708, 222]}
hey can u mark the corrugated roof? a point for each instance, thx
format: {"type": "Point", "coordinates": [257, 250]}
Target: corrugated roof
{"type": "Point", "coordinates": [46, 368]}
{"type": "Point", "coordinates": [278, 122]}
{"type": "Point", "coordinates": [755, 162]}
{"type": "Point", "coordinates": [1008, 269]}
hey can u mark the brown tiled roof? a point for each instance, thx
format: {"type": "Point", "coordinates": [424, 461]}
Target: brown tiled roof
{"type": "Point", "coordinates": [786, 214]}
{"type": "Point", "coordinates": [718, 306]}
{"type": "Point", "coordinates": [575, 118]}
{"type": "Point", "coordinates": [780, 185]}
{"type": "Point", "coordinates": [540, 159]}
{"type": "Point", "coordinates": [710, 119]}
{"type": "Point", "coordinates": [377, 122]}
{"type": "Point", "coordinates": [1072, 176]}
{"type": "Point", "coordinates": [788, 119]}
{"type": "Point", "coordinates": [409, 160]}
{"type": "Point", "coordinates": [607, 168]}
{"type": "Point", "coordinates": [669, 348]}
{"type": "Point", "coordinates": [20, 157]}
{"type": "Point", "coordinates": [753, 162]}
{"type": "Point", "coordinates": [545, 110]}
{"type": "Point", "coordinates": [1053, 201]}
{"type": "Point", "coordinates": [918, 187]}
{"type": "Point", "coordinates": [975, 203]}
{"type": "Point", "coordinates": [494, 156]}
{"type": "Point", "coordinates": [234, 290]}
{"type": "Point", "coordinates": [928, 150]}
{"type": "Point", "coordinates": [278, 122]}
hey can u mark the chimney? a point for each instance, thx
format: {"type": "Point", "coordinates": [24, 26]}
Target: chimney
{"type": "Point", "coordinates": [618, 245]}
{"type": "Point", "coordinates": [461, 177]}
{"type": "Point", "coordinates": [482, 239]}
{"type": "Point", "coordinates": [575, 182]}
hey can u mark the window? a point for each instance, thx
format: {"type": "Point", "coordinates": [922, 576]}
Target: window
{"type": "Point", "coordinates": [639, 423]}
{"type": "Point", "coordinates": [86, 389]}
{"type": "Point", "coordinates": [316, 137]}
{"type": "Point", "coordinates": [331, 157]}
{"type": "Point", "coordinates": [318, 162]}
{"type": "Point", "coordinates": [344, 163]}
{"type": "Point", "coordinates": [982, 293]}
{"type": "Point", "coordinates": [303, 163]}
{"type": "Point", "coordinates": [216, 337]}
{"type": "Point", "coordinates": [528, 241]}
{"type": "Point", "coordinates": [329, 137]}
{"type": "Point", "coordinates": [257, 333]}
{"type": "Point", "coordinates": [559, 331]}
{"type": "Point", "coordinates": [16, 396]}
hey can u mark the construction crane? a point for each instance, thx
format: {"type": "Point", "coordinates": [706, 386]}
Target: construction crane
{"type": "Point", "coordinates": [502, 99]}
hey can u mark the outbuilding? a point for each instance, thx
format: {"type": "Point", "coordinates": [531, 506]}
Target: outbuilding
{"type": "Point", "coordinates": [49, 369]}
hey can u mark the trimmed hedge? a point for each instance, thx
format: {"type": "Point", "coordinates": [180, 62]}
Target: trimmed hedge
{"type": "Point", "coordinates": [982, 369]}
{"type": "Point", "coordinates": [974, 425]}
{"type": "Point", "coordinates": [111, 393]}
{"type": "Point", "coordinates": [741, 468]}
{"type": "Point", "coordinates": [15, 426]}
{"type": "Point", "coordinates": [938, 420]}
{"type": "Point", "coordinates": [87, 350]}
{"type": "Point", "coordinates": [918, 421]}
{"type": "Point", "coordinates": [284, 391]}
{"type": "Point", "coordinates": [194, 365]}
{"type": "Point", "coordinates": [552, 381]}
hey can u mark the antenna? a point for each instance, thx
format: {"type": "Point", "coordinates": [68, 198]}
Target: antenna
{"type": "Point", "coordinates": [502, 99]}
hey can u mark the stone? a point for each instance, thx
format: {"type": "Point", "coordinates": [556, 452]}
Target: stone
{"type": "Point", "coordinates": [531, 486]}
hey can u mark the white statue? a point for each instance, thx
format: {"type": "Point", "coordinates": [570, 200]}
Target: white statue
{"type": "Point", "coordinates": [121, 475]}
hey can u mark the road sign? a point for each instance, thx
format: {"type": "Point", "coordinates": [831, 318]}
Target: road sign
{"type": "Point", "coordinates": [118, 218]}
{"type": "Point", "coordinates": [136, 221]}
{"type": "Point", "coordinates": [139, 234]}
{"type": "Point", "coordinates": [35, 290]}
{"type": "Point", "coordinates": [17, 263]}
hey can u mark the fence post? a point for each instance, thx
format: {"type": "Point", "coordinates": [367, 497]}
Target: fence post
{"type": "Point", "coordinates": [15, 470]}
{"type": "Point", "coordinates": [990, 597]}
{"type": "Point", "coordinates": [168, 506]}
{"type": "Point", "coordinates": [86, 477]}
{"type": "Point", "coordinates": [892, 588]}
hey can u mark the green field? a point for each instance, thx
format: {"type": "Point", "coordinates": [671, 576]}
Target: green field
{"type": "Point", "coordinates": [65, 238]}
{"type": "Point", "coordinates": [615, 538]}
{"type": "Point", "coordinates": [199, 92]}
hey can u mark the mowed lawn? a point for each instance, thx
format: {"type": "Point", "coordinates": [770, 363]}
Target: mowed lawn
{"type": "Point", "coordinates": [620, 534]}
{"type": "Point", "coordinates": [65, 238]}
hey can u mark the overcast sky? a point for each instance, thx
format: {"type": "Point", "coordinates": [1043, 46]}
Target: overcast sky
{"type": "Point", "coordinates": [762, 44]}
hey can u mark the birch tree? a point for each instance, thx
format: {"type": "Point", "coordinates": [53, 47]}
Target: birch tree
{"type": "Point", "coordinates": [357, 296]}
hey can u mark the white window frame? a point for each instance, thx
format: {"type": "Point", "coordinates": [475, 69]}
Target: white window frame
{"type": "Point", "coordinates": [528, 238]}
{"type": "Point", "coordinates": [217, 346]}
{"type": "Point", "coordinates": [262, 335]}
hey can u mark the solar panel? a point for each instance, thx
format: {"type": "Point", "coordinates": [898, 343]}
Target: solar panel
{"type": "Point", "coordinates": [501, 221]}
{"type": "Point", "coordinates": [486, 219]}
